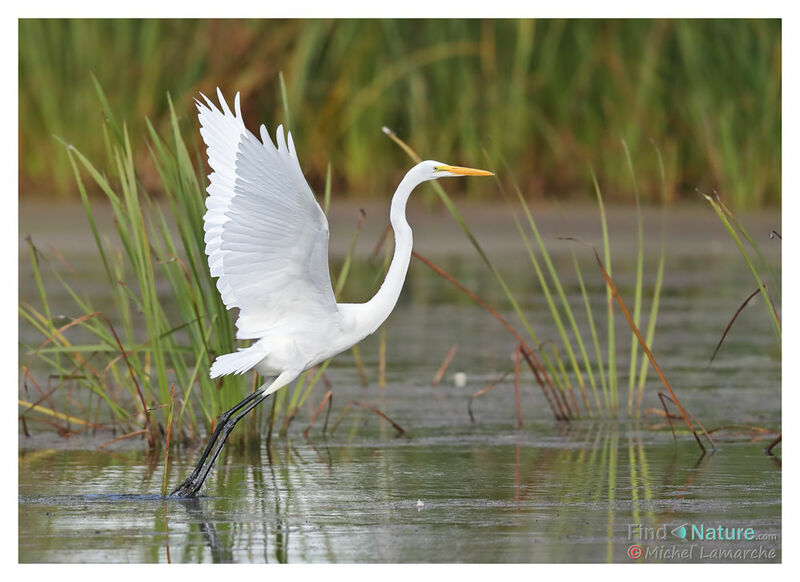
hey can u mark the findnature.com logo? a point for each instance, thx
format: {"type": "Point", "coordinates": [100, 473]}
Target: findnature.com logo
{"type": "Point", "coordinates": [695, 535]}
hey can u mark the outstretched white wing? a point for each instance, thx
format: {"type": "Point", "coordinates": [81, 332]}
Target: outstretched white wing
{"type": "Point", "coordinates": [266, 236]}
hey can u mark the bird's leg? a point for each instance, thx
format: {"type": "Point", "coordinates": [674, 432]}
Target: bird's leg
{"type": "Point", "coordinates": [223, 419]}
{"type": "Point", "coordinates": [192, 486]}
{"type": "Point", "coordinates": [220, 422]}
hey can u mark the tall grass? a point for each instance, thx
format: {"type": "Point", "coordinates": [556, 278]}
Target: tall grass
{"type": "Point", "coordinates": [558, 378]}
{"type": "Point", "coordinates": [147, 359]}
{"type": "Point", "coordinates": [149, 347]}
{"type": "Point", "coordinates": [758, 265]}
{"type": "Point", "coordinates": [546, 93]}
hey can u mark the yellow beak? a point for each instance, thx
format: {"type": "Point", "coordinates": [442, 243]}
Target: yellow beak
{"type": "Point", "coordinates": [465, 171]}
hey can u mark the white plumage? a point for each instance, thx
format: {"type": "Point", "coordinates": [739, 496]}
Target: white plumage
{"type": "Point", "coordinates": [266, 236]}
{"type": "Point", "coordinates": [267, 242]}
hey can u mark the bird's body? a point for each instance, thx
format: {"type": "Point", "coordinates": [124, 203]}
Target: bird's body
{"type": "Point", "coordinates": [267, 242]}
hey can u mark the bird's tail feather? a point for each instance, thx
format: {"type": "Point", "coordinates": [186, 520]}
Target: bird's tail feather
{"type": "Point", "coordinates": [237, 362]}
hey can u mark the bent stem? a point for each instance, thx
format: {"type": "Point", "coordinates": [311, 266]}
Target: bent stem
{"type": "Point", "coordinates": [328, 398]}
{"type": "Point", "coordinates": [613, 288]}
{"type": "Point", "coordinates": [540, 373]}
{"type": "Point", "coordinates": [481, 392]}
{"type": "Point", "coordinates": [730, 325]}
{"type": "Point", "coordinates": [720, 209]}
{"type": "Point", "coordinates": [400, 430]}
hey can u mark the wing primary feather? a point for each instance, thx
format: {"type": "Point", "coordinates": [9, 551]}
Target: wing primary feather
{"type": "Point", "coordinates": [280, 139]}
{"type": "Point", "coordinates": [266, 236]}
{"type": "Point", "coordinates": [210, 104]}
{"type": "Point", "coordinates": [226, 110]}
{"type": "Point", "coordinates": [267, 140]}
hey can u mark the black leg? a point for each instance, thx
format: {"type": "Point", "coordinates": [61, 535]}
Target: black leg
{"type": "Point", "coordinates": [214, 435]}
{"type": "Point", "coordinates": [226, 430]}
{"type": "Point", "coordinates": [227, 421]}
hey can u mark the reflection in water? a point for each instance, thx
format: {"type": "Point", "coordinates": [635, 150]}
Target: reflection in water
{"type": "Point", "coordinates": [204, 511]}
{"type": "Point", "coordinates": [489, 496]}
{"type": "Point", "coordinates": [219, 552]}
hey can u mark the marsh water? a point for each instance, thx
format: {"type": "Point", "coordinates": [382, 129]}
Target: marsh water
{"type": "Point", "coordinates": [451, 489]}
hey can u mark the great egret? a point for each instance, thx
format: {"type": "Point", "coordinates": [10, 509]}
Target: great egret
{"type": "Point", "coordinates": [267, 241]}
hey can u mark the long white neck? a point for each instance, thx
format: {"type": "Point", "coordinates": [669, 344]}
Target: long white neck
{"type": "Point", "coordinates": [367, 317]}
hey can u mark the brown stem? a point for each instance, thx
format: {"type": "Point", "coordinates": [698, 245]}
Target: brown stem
{"type": "Point", "coordinates": [397, 427]}
{"type": "Point", "coordinates": [771, 445]}
{"type": "Point", "coordinates": [481, 392]}
{"type": "Point", "coordinates": [538, 369]}
{"type": "Point", "coordinates": [123, 437]}
{"type": "Point", "coordinates": [650, 356]}
{"type": "Point", "coordinates": [445, 363]}
{"type": "Point", "coordinates": [730, 323]}
{"type": "Point", "coordinates": [516, 385]}
{"type": "Point", "coordinates": [327, 398]}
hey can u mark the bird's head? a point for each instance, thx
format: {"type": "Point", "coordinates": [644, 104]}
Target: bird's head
{"type": "Point", "coordinates": [432, 170]}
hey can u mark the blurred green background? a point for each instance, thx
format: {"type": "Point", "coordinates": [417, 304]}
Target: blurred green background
{"type": "Point", "coordinates": [549, 98]}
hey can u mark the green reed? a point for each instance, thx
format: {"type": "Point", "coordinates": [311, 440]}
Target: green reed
{"type": "Point", "coordinates": [758, 266]}
{"type": "Point", "coordinates": [129, 356]}
{"type": "Point", "coordinates": [159, 346]}
{"type": "Point", "coordinates": [560, 375]}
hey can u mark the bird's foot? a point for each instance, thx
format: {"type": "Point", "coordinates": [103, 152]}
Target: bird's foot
{"type": "Point", "coordinates": [187, 490]}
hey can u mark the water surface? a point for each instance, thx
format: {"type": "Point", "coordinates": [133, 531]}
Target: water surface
{"type": "Point", "coordinates": [487, 494]}
{"type": "Point", "coordinates": [452, 490]}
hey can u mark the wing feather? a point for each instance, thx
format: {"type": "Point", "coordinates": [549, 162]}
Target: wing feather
{"type": "Point", "coordinates": [266, 236]}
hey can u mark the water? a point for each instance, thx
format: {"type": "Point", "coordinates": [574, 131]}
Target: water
{"type": "Point", "coordinates": [450, 490]}
{"type": "Point", "coordinates": [487, 494]}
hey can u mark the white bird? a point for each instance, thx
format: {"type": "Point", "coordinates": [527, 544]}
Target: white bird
{"type": "Point", "coordinates": [267, 241]}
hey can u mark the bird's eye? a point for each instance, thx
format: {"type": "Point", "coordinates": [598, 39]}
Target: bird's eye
{"type": "Point", "coordinates": [436, 168]}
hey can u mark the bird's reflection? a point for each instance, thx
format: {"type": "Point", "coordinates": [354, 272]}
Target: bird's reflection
{"type": "Point", "coordinates": [271, 487]}
{"type": "Point", "coordinates": [196, 508]}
